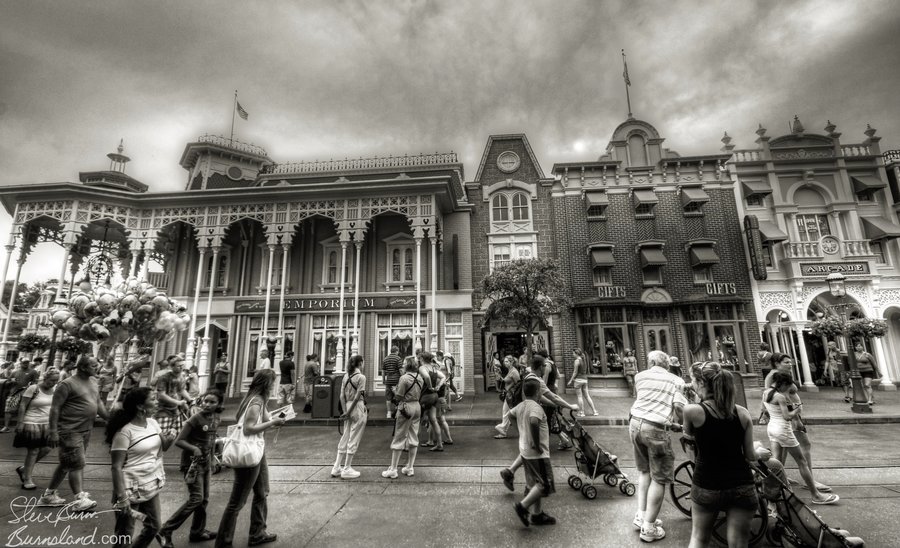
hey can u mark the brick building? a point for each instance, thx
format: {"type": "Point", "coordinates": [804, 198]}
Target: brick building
{"type": "Point", "coordinates": [651, 242]}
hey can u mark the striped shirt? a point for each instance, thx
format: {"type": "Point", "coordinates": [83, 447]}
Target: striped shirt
{"type": "Point", "coordinates": [658, 391]}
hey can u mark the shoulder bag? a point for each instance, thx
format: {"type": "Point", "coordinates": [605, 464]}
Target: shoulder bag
{"type": "Point", "coordinates": [243, 450]}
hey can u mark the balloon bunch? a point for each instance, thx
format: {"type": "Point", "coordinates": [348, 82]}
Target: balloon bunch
{"type": "Point", "coordinates": [114, 315]}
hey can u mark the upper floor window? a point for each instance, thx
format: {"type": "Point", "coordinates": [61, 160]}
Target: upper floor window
{"type": "Point", "coordinates": [515, 206]}
{"type": "Point", "coordinates": [331, 271]}
{"type": "Point", "coordinates": [401, 259]}
{"type": "Point", "coordinates": [812, 227]}
{"type": "Point", "coordinates": [637, 151]}
{"type": "Point", "coordinates": [878, 250]}
{"type": "Point", "coordinates": [220, 278]}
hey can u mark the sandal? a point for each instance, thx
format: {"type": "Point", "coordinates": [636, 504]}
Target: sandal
{"type": "Point", "coordinates": [830, 499]}
{"type": "Point", "coordinates": [21, 471]}
{"type": "Point", "coordinates": [30, 486]}
{"type": "Point", "coordinates": [426, 444]}
{"type": "Point", "coordinates": [847, 399]}
{"type": "Point", "coordinates": [439, 448]}
{"type": "Point", "coordinates": [500, 437]}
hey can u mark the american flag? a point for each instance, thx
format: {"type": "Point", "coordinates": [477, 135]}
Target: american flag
{"type": "Point", "coordinates": [241, 112]}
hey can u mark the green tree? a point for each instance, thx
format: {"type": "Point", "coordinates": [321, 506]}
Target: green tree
{"type": "Point", "coordinates": [27, 295]}
{"type": "Point", "coordinates": [527, 292]}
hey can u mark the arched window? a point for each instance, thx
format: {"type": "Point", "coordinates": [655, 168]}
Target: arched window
{"type": "Point", "coordinates": [408, 264]}
{"type": "Point", "coordinates": [332, 267]}
{"type": "Point", "coordinates": [395, 265]}
{"type": "Point", "coordinates": [637, 150]}
{"type": "Point", "coordinates": [500, 207]}
{"type": "Point", "coordinates": [520, 207]}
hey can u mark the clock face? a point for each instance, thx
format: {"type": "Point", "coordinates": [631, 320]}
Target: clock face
{"type": "Point", "coordinates": [508, 161]}
{"type": "Point", "coordinates": [829, 245]}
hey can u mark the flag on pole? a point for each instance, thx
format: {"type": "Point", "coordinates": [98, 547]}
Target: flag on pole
{"type": "Point", "coordinates": [241, 112]}
{"type": "Point", "coordinates": [625, 72]}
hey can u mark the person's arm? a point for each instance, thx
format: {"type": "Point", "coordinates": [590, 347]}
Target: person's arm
{"type": "Point", "coordinates": [183, 443]}
{"type": "Point", "coordinates": [162, 386]}
{"type": "Point", "coordinates": [361, 383]}
{"type": "Point", "coordinates": [690, 415]}
{"type": "Point", "coordinates": [747, 423]}
{"type": "Point", "coordinates": [556, 400]}
{"type": "Point", "coordinates": [23, 405]}
{"type": "Point", "coordinates": [678, 407]}
{"type": "Point", "coordinates": [254, 412]}
{"type": "Point", "coordinates": [575, 370]}
{"type": "Point", "coordinates": [534, 424]}
{"type": "Point", "coordinates": [60, 395]}
{"type": "Point", "coordinates": [545, 374]}
{"type": "Point", "coordinates": [101, 408]}
{"type": "Point", "coordinates": [441, 379]}
{"type": "Point", "coordinates": [120, 498]}
{"type": "Point", "coordinates": [783, 405]}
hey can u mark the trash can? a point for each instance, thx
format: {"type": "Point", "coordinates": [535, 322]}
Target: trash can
{"type": "Point", "coordinates": [336, 380]}
{"type": "Point", "coordinates": [322, 397]}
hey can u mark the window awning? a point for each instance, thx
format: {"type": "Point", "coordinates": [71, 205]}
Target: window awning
{"type": "Point", "coordinates": [602, 256]}
{"type": "Point", "coordinates": [693, 195]}
{"type": "Point", "coordinates": [652, 256]}
{"type": "Point", "coordinates": [771, 233]}
{"type": "Point", "coordinates": [756, 188]}
{"type": "Point", "coordinates": [703, 254]}
{"type": "Point", "coordinates": [596, 199]}
{"type": "Point", "coordinates": [866, 183]}
{"type": "Point", "coordinates": [879, 229]}
{"type": "Point", "coordinates": [642, 197]}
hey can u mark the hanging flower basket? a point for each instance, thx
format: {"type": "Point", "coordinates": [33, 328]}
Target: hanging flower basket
{"type": "Point", "coordinates": [865, 328]}
{"type": "Point", "coordinates": [72, 346]}
{"type": "Point", "coordinates": [829, 327]}
{"type": "Point", "coordinates": [32, 342]}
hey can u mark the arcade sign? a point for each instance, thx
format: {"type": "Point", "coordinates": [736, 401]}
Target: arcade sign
{"type": "Point", "coordinates": [824, 269]}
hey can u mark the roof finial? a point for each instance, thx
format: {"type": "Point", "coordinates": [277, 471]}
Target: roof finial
{"type": "Point", "coordinates": [121, 147]}
{"type": "Point", "coordinates": [797, 127]}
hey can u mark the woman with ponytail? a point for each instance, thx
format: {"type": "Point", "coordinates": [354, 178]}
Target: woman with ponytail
{"type": "Point", "coordinates": [136, 447]}
{"type": "Point", "coordinates": [722, 479]}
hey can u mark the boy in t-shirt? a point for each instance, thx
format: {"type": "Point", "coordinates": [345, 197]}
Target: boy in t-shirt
{"type": "Point", "coordinates": [534, 448]}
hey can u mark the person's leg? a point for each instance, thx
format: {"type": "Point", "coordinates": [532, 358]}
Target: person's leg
{"type": "Point", "coordinates": [867, 384]}
{"type": "Point", "coordinates": [739, 520]}
{"type": "Point", "coordinates": [579, 394]}
{"type": "Point", "coordinates": [702, 520]}
{"type": "Point", "coordinates": [195, 497]}
{"type": "Point", "coordinates": [59, 474]}
{"type": "Point", "coordinates": [411, 459]}
{"type": "Point", "coordinates": [198, 523]}
{"type": "Point", "coordinates": [588, 399]}
{"type": "Point", "coordinates": [147, 535]}
{"type": "Point", "coordinates": [503, 427]}
{"type": "Point", "coordinates": [434, 428]}
{"type": "Point", "coordinates": [259, 509]}
{"type": "Point", "coordinates": [445, 429]}
{"type": "Point", "coordinates": [805, 471]}
{"type": "Point", "coordinates": [244, 480]}
{"type": "Point", "coordinates": [124, 529]}
{"type": "Point", "coordinates": [642, 492]}
{"type": "Point", "coordinates": [75, 480]}
{"type": "Point", "coordinates": [656, 492]}
{"type": "Point", "coordinates": [516, 464]}
{"type": "Point", "coordinates": [31, 457]}
{"type": "Point", "coordinates": [395, 458]}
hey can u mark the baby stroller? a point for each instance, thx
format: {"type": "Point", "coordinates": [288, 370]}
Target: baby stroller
{"type": "Point", "coordinates": [592, 461]}
{"type": "Point", "coordinates": [796, 524]}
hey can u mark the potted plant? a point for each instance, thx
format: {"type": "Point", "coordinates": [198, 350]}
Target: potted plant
{"type": "Point", "coordinates": [829, 327]}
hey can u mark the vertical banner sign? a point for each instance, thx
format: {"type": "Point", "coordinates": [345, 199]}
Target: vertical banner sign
{"type": "Point", "coordinates": [754, 244]}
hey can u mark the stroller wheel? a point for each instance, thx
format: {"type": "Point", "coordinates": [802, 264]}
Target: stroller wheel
{"type": "Point", "coordinates": [627, 488]}
{"type": "Point", "coordinates": [610, 479]}
{"type": "Point", "coordinates": [575, 482]}
{"type": "Point", "coordinates": [589, 492]}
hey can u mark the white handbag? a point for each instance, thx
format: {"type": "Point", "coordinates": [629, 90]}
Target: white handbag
{"type": "Point", "coordinates": [242, 450]}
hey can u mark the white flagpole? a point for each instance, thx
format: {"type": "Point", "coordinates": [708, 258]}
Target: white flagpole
{"type": "Point", "coordinates": [233, 109]}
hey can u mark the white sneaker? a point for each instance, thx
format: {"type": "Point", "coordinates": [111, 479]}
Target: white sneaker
{"type": "Point", "coordinates": [652, 534]}
{"type": "Point", "coordinates": [388, 414]}
{"type": "Point", "coordinates": [389, 473]}
{"type": "Point", "coordinates": [51, 498]}
{"type": "Point", "coordinates": [336, 471]}
{"type": "Point", "coordinates": [408, 471]}
{"type": "Point", "coordinates": [349, 473]}
{"type": "Point", "coordinates": [83, 503]}
{"type": "Point", "coordinates": [639, 521]}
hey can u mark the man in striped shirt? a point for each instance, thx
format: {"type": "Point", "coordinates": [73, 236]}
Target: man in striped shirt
{"type": "Point", "coordinates": [390, 367]}
{"type": "Point", "coordinates": [657, 409]}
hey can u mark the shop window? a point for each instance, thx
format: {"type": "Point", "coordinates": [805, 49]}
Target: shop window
{"type": "Point", "coordinates": [767, 255]}
{"type": "Point", "coordinates": [653, 275]}
{"type": "Point", "coordinates": [879, 252]}
{"type": "Point", "coordinates": [812, 227]}
{"type": "Point", "coordinates": [602, 276]}
{"type": "Point", "coordinates": [716, 332]}
{"type": "Point", "coordinates": [453, 343]}
{"type": "Point", "coordinates": [756, 200]}
{"type": "Point", "coordinates": [396, 330]}
{"type": "Point", "coordinates": [702, 274]}
{"type": "Point", "coordinates": [605, 341]}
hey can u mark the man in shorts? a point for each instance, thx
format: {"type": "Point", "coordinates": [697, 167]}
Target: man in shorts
{"type": "Point", "coordinates": [656, 411]}
{"type": "Point", "coordinates": [287, 388]}
{"type": "Point", "coordinates": [174, 400]}
{"type": "Point", "coordinates": [534, 449]}
{"type": "Point", "coordinates": [76, 402]}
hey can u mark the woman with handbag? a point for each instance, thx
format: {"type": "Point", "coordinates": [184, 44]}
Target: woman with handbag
{"type": "Point", "coordinates": [253, 474]}
{"type": "Point", "coordinates": [580, 382]}
{"type": "Point", "coordinates": [33, 424]}
{"type": "Point", "coordinates": [136, 447]}
{"type": "Point", "coordinates": [353, 400]}
{"type": "Point", "coordinates": [409, 414]}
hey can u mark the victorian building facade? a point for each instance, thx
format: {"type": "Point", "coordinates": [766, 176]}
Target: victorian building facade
{"type": "Point", "coordinates": [327, 258]}
{"type": "Point", "coordinates": [813, 205]}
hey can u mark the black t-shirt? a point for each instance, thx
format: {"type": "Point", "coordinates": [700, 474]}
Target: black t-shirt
{"type": "Point", "coordinates": [202, 434]}
{"type": "Point", "coordinates": [287, 371]}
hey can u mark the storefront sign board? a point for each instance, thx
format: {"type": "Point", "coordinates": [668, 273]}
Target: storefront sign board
{"type": "Point", "coordinates": [319, 304]}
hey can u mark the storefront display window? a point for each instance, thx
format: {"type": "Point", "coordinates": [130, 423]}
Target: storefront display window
{"type": "Point", "coordinates": [716, 332]}
{"type": "Point", "coordinates": [325, 337]}
{"type": "Point", "coordinates": [395, 330]}
{"type": "Point", "coordinates": [605, 334]}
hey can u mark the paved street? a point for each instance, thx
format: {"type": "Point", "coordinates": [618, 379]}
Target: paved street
{"type": "Point", "coordinates": [456, 499]}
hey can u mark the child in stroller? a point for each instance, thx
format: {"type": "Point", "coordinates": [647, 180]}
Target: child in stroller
{"type": "Point", "coordinates": [792, 522]}
{"type": "Point", "coordinates": [592, 461]}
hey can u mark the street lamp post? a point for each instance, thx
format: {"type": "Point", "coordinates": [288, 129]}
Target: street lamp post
{"type": "Point", "coordinates": [836, 287]}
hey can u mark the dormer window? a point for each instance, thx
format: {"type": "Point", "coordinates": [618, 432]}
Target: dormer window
{"type": "Point", "coordinates": [644, 203]}
{"type": "Point", "coordinates": [596, 203]}
{"type": "Point", "coordinates": [692, 199]}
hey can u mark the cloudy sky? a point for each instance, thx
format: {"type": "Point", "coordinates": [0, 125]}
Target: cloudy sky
{"type": "Point", "coordinates": [335, 79]}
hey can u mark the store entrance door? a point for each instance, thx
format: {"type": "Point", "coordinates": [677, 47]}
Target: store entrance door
{"type": "Point", "coordinates": [657, 337]}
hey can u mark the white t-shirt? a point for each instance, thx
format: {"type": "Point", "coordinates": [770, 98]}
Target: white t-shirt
{"type": "Point", "coordinates": [38, 411]}
{"type": "Point", "coordinates": [523, 413]}
{"type": "Point", "coordinates": [143, 452]}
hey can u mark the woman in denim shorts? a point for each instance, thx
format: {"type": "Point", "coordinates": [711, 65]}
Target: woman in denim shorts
{"type": "Point", "coordinates": [722, 480]}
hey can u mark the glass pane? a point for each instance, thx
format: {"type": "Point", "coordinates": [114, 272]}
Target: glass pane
{"type": "Point", "coordinates": [253, 355]}
{"type": "Point", "coordinates": [664, 340]}
{"type": "Point", "coordinates": [632, 344]}
{"type": "Point", "coordinates": [697, 343]}
{"type": "Point", "coordinates": [318, 321]}
{"type": "Point", "coordinates": [651, 340]}
{"type": "Point", "coordinates": [453, 330]}
{"type": "Point", "coordinates": [720, 312]}
{"type": "Point", "coordinates": [590, 342]}
{"type": "Point", "coordinates": [726, 346]}
{"type": "Point", "coordinates": [614, 349]}
{"type": "Point", "coordinates": [384, 320]}
{"type": "Point", "coordinates": [695, 313]}
{"type": "Point", "coordinates": [585, 315]}
{"type": "Point", "coordinates": [408, 265]}
{"type": "Point", "coordinates": [453, 317]}
{"type": "Point", "coordinates": [611, 314]}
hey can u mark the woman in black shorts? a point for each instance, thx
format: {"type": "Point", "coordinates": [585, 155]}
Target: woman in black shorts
{"type": "Point", "coordinates": [865, 362]}
{"type": "Point", "coordinates": [722, 479]}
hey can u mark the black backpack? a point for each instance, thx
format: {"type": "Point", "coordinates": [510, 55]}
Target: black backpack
{"type": "Point", "coordinates": [514, 394]}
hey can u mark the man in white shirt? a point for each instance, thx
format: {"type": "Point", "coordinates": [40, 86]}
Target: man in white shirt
{"type": "Point", "coordinates": [656, 411]}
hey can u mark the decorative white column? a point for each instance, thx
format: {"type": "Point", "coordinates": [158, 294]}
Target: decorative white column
{"type": "Point", "coordinates": [189, 351]}
{"type": "Point", "coordinates": [339, 351]}
{"type": "Point", "coordinates": [203, 365]}
{"type": "Point", "coordinates": [10, 247]}
{"type": "Point", "coordinates": [417, 342]}
{"type": "Point", "coordinates": [4, 345]}
{"type": "Point", "coordinates": [135, 251]}
{"type": "Point", "coordinates": [268, 294]}
{"type": "Point", "coordinates": [354, 345]}
{"type": "Point", "coordinates": [808, 383]}
{"type": "Point", "coordinates": [67, 247]}
{"type": "Point", "coordinates": [145, 265]}
{"type": "Point", "coordinates": [433, 346]}
{"type": "Point", "coordinates": [285, 248]}
{"type": "Point", "coordinates": [880, 355]}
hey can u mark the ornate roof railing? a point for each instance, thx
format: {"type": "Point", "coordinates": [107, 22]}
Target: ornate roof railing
{"type": "Point", "coordinates": [892, 155]}
{"type": "Point", "coordinates": [436, 159]}
{"type": "Point", "coordinates": [233, 144]}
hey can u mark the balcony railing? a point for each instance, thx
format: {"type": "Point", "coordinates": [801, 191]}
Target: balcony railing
{"type": "Point", "coordinates": [855, 248]}
{"type": "Point", "coordinates": [747, 156]}
{"type": "Point", "coordinates": [346, 164]}
{"type": "Point", "coordinates": [233, 144]}
{"type": "Point", "coordinates": [892, 155]}
{"type": "Point", "coordinates": [855, 150]}
{"type": "Point", "coordinates": [802, 250]}
{"type": "Point", "coordinates": [159, 280]}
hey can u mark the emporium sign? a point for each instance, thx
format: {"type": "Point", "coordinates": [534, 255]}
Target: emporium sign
{"type": "Point", "coordinates": [316, 304]}
{"type": "Point", "coordinates": [824, 269]}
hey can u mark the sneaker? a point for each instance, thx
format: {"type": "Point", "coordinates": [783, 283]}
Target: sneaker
{"type": "Point", "coordinates": [50, 498]}
{"type": "Point", "coordinates": [522, 512]}
{"type": "Point", "coordinates": [349, 473]}
{"type": "Point", "coordinates": [83, 502]}
{"type": "Point", "coordinates": [543, 519]}
{"type": "Point", "coordinates": [4, 430]}
{"type": "Point", "coordinates": [263, 539]}
{"type": "Point", "coordinates": [508, 478]}
{"type": "Point", "coordinates": [201, 537]}
{"type": "Point", "coordinates": [408, 471]}
{"type": "Point", "coordinates": [639, 522]}
{"type": "Point", "coordinates": [165, 540]}
{"type": "Point", "coordinates": [500, 430]}
{"type": "Point", "coordinates": [336, 471]}
{"type": "Point", "coordinates": [390, 473]}
{"type": "Point", "coordinates": [652, 534]}
{"type": "Point", "coordinates": [459, 398]}
{"type": "Point", "coordinates": [389, 415]}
